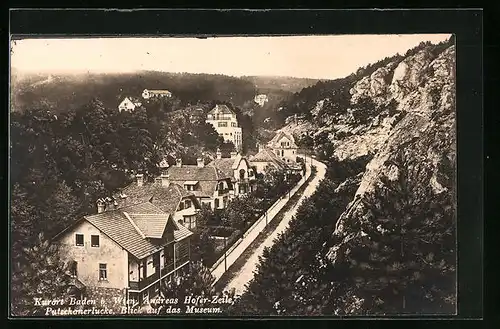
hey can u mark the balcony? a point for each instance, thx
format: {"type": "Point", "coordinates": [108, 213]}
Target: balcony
{"type": "Point", "coordinates": [134, 285]}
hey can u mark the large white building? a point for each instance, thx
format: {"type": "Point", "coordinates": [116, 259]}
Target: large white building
{"type": "Point", "coordinates": [147, 94]}
{"type": "Point", "coordinates": [223, 119]}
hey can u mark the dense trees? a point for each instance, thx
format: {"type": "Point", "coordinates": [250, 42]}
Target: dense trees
{"type": "Point", "coordinates": [399, 256]}
{"type": "Point", "coordinates": [287, 280]}
{"type": "Point", "coordinates": [38, 273]}
{"type": "Point", "coordinates": [62, 163]}
{"type": "Point", "coordinates": [407, 263]}
{"type": "Point", "coordinates": [113, 88]}
{"type": "Point", "coordinates": [197, 281]}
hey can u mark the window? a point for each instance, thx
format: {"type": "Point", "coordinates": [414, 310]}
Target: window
{"type": "Point", "coordinates": [233, 124]}
{"type": "Point", "coordinates": [79, 239]}
{"type": "Point", "coordinates": [278, 152]}
{"type": "Point", "coordinates": [216, 203]}
{"type": "Point", "coordinates": [222, 124]}
{"type": "Point", "coordinates": [188, 203]}
{"type": "Point", "coordinates": [189, 187]}
{"type": "Point", "coordinates": [141, 270]}
{"type": "Point", "coordinates": [162, 259]}
{"type": "Point", "coordinates": [103, 272]}
{"type": "Point", "coordinates": [190, 221]}
{"type": "Point", "coordinates": [94, 240]}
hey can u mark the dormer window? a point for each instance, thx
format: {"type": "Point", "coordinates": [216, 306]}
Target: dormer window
{"type": "Point", "coordinates": [187, 203]}
{"type": "Point", "coordinates": [190, 185]}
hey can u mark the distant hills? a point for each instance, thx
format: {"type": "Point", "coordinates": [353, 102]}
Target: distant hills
{"type": "Point", "coordinates": [60, 91]}
{"type": "Point", "coordinates": [290, 84]}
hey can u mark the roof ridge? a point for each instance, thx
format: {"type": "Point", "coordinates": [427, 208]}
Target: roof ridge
{"type": "Point", "coordinates": [134, 225]}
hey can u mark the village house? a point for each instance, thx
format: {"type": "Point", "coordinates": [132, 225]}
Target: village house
{"type": "Point", "coordinates": [266, 158]}
{"type": "Point", "coordinates": [283, 145]}
{"type": "Point", "coordinates": [125, 252]}
{"type": "Point", "coordinates": [224, 121]}
{"type": "Point", "coordinates": [129, 104]}
{"type": "Point", "coordinates": [238, 169]}
{"type": "Point", "coordinates": [261, 99]}
{"type": "Point", "coordinates": [171, 198]}
{"type": "Point", "coordinates": [147, 94]}
{"type": "Point", "coordinates": [217, 182]}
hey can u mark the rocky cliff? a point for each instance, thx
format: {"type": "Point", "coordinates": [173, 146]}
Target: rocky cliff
{"type": "Point", "coordinates": [406, 197]}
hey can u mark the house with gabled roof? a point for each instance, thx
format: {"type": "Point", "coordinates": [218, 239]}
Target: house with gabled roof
{"type": "Point", "coordinates": [266, 158]}
{"type": "Point", "coordinates": [284, 146]}
{"type": "Point", "coordinates": [215, 183]}
{"type": "Point", "coordinates": [126, 252]}
{"type": "Point", "coordinates": [238, 170]}
{"type": "Point", "coordinates": [170, 197]}
{"type": "Point", "coordinates": [129, 104]}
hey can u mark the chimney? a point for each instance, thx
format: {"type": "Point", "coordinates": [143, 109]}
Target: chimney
{"type": "Point", "coordinates": [219, 154]}
{"type": "Point", "coordinates": [165, 180]}
{"type": "Point", "coordinates": [178, 162]}
{"type": "Point", "coordinates": [140, 179]}
{"type": "Point", "coordinates": [233, 155]}
{"type": "Point", "coordinates": [200, 162]}
{"type": "Point", "coordinates": [101, 206]}
{"type": "Point", "coordinates": [259, 147]}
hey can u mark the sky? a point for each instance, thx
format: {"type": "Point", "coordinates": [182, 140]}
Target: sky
{"type": "Point", "coordinates": [319, 57]}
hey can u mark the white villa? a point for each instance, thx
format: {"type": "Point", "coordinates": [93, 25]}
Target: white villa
{"type": "Point", "coordinates": [225, 123]}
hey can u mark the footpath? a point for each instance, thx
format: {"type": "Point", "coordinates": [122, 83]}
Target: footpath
{"type": "Point", "coordinates": [232, 254]}
{"type": "Point", "coordinates": [246, 273]}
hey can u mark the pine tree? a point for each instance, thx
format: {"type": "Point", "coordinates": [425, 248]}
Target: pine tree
{"type": "Point", "coordinates": [406, 262]}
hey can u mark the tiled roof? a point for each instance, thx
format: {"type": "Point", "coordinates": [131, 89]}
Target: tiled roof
{"type": "Point", "coordinates": [157, 91]}
{"type": "Point", "coordinates": [202, 194]}
{"type": "Point", "coordinates": [267, 155]}
{"type": "Point", "coordinates": [224, 167]}
{"type": "Point", "coordinates": [165, 198]}
{"type": "Point", "coordinates": [221, 108]}
{"type": "Point", "coordinates": [128, 233]}
{"type": "Point", "coordinates": [151, 225]}
{"type": "Point", "coordinates": [206, 176]}
{"type": "Point", "coordinates": [132, 227]}
{"type": "Point", "coordinates": [181, 233]}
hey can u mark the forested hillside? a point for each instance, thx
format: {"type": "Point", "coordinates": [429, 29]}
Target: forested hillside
{"type": "Point", "coordinates": [378, 237]}
{"type": "Point", "coordinates": [62, 92]}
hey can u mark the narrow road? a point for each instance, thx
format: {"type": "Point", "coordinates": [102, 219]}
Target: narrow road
{"type": "Point", "coordinates": [246, 273]}
{"type": "Point", "coordinates": [232, 255]}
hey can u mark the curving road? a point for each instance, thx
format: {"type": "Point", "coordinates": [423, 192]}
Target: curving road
{"type": "Point", "coordinates": [246, 273]}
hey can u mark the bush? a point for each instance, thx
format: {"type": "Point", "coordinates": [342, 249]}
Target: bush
{"type": "Point", "coordinates": [225, 231]}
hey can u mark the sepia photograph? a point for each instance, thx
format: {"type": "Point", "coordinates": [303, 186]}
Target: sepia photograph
{"type": "Point", "coordinates": [233, 176]}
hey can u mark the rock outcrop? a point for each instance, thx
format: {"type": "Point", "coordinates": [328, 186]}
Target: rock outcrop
{"type": "Point", "coordinates": [424, 137]}
{"type": "Point", "coordinates": [409, 132]}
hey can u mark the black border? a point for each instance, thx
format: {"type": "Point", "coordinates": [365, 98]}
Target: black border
{"type": "Point", "coordinates": [465, 24]}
